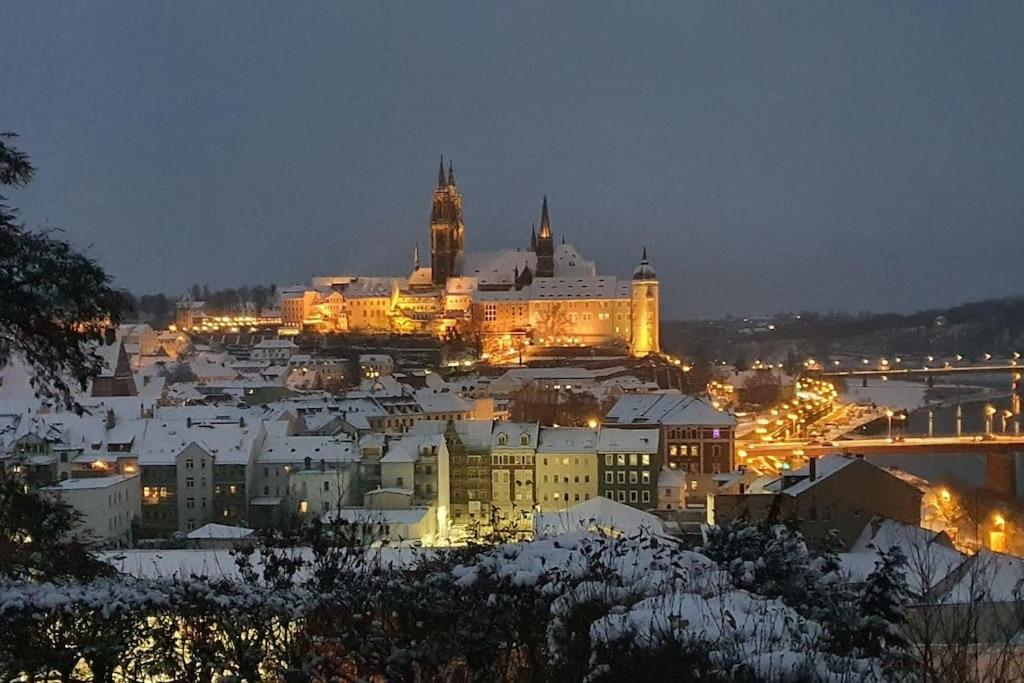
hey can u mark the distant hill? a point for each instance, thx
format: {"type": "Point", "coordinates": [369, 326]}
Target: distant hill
{"type": "Point", "coordinates": [992, 326]}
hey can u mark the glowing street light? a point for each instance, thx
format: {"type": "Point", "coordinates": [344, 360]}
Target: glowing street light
{"type": "Point", "coordinates": [990, 410]}
{"type": "Point", "coordinates": [888, 414]}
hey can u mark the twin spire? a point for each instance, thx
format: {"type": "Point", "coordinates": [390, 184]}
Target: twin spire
{"type": "Point", "coordinates": [443, 182]}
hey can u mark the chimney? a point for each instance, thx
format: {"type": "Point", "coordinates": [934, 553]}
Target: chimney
{"type": "Point", "coordinates": [812, 465]}
{"type": "Point", "coordinates": [110, 420]}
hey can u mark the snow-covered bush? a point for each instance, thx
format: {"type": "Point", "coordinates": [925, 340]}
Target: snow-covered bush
{"type": "Point", "coordinates": [578, 607]}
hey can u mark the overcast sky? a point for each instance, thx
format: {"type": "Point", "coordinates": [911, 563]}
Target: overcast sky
{"type": "Point", "coordinates": [773, 156]}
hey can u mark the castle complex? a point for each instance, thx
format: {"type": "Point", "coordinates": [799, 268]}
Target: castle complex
{"type": "Point", "coordinates": [546, 295]}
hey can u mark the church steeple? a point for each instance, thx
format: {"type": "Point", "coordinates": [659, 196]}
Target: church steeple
{"type": "Point", "coordinates": [545, 220]}
{"type": "Point", "coordinates": [533, 237]}
{"type": "Point", "coordinates": [416, 257]}
{"type": "Point", "coordinates": [447, 231]}
{"type": "Point", "coordinates": [545, 244]}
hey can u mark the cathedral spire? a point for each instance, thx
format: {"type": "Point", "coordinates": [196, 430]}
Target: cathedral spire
{"type": "Point", "coordinates": [451, 173]}
{"type": "Point", "coordinates": [416, 257]}
{"type": "Point", "coordinates": [545, 244]}
{"type": "Point", "coordinates": [533, 237]}
{"type": "Point", "coordinates": [545, 220]}
{"type": "Point", "coordinates": [440, 174]}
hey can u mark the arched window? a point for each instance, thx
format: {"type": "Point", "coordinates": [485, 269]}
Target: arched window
{"type": "Point", "coordinates": [524, 439]}
{"type": "Point", "coordinates": [502, 439]}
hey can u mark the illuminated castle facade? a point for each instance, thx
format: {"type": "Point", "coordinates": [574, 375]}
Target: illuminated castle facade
{"type": "Point", "coordinates": [545, 295]}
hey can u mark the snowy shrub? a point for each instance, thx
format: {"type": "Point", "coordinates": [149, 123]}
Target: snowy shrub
{"type": "Point", "coordinates": [578, 607]}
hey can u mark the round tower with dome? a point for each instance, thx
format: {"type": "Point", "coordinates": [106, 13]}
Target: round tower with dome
{"type": "Point", "coordinates": [644, 337]}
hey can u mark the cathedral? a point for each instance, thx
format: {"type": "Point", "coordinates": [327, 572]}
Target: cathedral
{"type": "Point", "coordinates": [544, 295]}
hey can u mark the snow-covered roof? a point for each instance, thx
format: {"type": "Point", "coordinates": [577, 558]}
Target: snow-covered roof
{"type": "Point", "coordinates": [567, 440]}
{"type": "Point", "coordinates": [408, 448]}
{"type": "Point", "coordinates": [985, 577]}
{"type": "Point", "coordinates": [369, 287]}
{"type": "Point", "coordinates": [603, 287]}
{"type": "Point", "coordinates": [89, 483]}
{"type": "Point", "coordinates": [668, 409]}
{"type": "Point", "coordinates": [930, 555]}
{"type": "Point", "coordinates": [670, 477]}
{"type": "Point", "coordinates": [295, 449]}
{"type": "Point", "coordinates": [614, 440]}
{"type": "Point", "coordinates": [510, 435]}
{"type": "Point", "coordinates": [598, 513]}
{"type": "Point", "coordinates": [826, 467]}
{"type": "Point", "coordinates": [228, 442]}
{"type": "Point", "coordinates": [441, 401]}
{"type": "Point", "coordinates": [421, 277]}
{"type": "Point", "coordinates": [219, 531]}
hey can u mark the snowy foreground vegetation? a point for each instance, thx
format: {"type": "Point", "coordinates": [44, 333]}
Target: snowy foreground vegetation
{"type": "Point", "coordinates": [753, 604]}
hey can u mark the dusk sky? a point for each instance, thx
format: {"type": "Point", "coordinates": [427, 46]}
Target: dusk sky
{"type": "Point", "coordinates": [772, 157]}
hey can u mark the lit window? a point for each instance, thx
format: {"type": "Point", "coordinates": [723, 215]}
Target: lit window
{"type": "Point", "coordinates": [303, 506]}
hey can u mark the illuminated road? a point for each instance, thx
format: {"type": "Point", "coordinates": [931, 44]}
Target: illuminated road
{"type": "Point", "coordinates": [904, 372]}
{"type": "Point", "coordinates": [885, 446]}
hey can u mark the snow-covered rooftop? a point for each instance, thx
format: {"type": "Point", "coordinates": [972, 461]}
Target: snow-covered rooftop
{"type": "Point", "coordinates": [667, 409]}
{"type": "Point", "coordinates": [614, 440]}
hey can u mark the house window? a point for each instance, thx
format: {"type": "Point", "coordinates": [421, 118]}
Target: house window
{"type": "Point", "coordinates": [502, 439]}
{"type": "Point", "coordinates": [621, 477]}
{"type": "Point", "coordinates": [190, 503]}
{"type": "Point", "coordinates": [190, 482]}
{"type": "Point", "coordinates": [633, 496]}
{"type": "Point", "coordinates": [303, 506]}
{"type": "Point", "coordinates": [524, 439]}
{"type": "Point", "coordinates": [633, 478]}
{"type": "Point", "coordinates": [609, 459]}
{"type": "Point", "coordinates": [633, 459]}
{"type": "Point", "coordinates": [327, 486]}
{"type": "Point", "coordinates": [621, 459]}
{"type": "Point", "coordinates": [609, 477]}
{"type": "Point", "coordinates": [645, 477]}
{"type": "Point", "coordinates": [621, 496]}
{"type": "Point", "coordinates": [399, 481]}
{"type": "Point", "coordinates": [645, 496]}
{"type": "Point", "coordinates": [645, 459]}
{"type": "Point", "coordinates": [189, 464]}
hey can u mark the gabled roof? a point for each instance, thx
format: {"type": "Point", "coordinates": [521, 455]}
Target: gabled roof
{"type": "Point", "coordinates": [667, 409]}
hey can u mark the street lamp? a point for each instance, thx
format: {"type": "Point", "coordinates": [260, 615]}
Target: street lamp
{"type": "Point", "coordinates": [990, 410]}
{"type": "Point", "coordinates": [1006, 415]}
{"type": "Point", "coordinates": [888, 414]}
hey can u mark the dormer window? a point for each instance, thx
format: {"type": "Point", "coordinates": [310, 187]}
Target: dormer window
{"type": "Point", "coordinates": [524, 439]}
{"type": "Point", "coordinates": [502, 440]}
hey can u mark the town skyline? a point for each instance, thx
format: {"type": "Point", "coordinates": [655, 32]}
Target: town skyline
{"type": "Point", "coordinates": [767, 157]}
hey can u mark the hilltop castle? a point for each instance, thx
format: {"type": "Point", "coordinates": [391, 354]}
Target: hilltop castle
{"type": "Point", "coordinates": [545, 295]}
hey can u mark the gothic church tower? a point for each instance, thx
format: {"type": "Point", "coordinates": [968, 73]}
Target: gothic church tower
{"type": "Point", "coordinates": [447, 230]}
{"type": "Point", "coordinates": [545, 245]}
